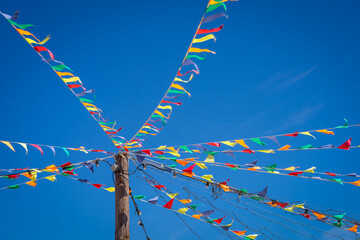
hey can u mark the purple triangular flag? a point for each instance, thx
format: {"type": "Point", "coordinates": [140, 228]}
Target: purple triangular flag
{"type": "Point", "coordinates": [90, 166]}
{"type": "Point", "coordinates": [83, 180]}
{"type": "Point", "coordinates": [327, 146]}
{"type": "Point", "coordinates": [200, 146]}
{"type": "Point", "coordinates": [52, 149]}
{"type": "Point", "coordinates": [153, 200]}
{"type": "Point", "coordinates": [252, 164]}
{"type": "Point", "coordinates": [230, 153]}
{"type": "Point", "coordinates": [352, 175]}
{"type": "Point", "coordinates": [139, 158]}
{"type": "Point", "coordinates": [319, 178]}
{"type": "Point", "coordinates": [263, 192]}
{"type": "Point", "coordinates": [208, 213]}
{"type": "Point", "coordinates": [274, 139]}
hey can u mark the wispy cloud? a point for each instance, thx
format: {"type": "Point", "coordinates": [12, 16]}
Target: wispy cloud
{"type": "Point", "coordinates": [283, 81]}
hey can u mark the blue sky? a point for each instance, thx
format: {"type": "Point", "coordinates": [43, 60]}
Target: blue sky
{"type": "Point", "coordinates": [280, 67]}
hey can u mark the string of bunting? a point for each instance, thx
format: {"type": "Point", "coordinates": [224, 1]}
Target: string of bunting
{"type": "Point", "coordinates": [163, 111]}
{"type": "Point", "coordinates": [67, 170]}
{"type": "Point", "coordinates": [189, 148]}
{"type": "Point", "coordinates": [337, 220]}
{"type": "Point", "coordinates": [271, 169]}
{"type": "Point", "coordinates": [72, 81]}
{"type": "Point", "coordinates": [9, 144]}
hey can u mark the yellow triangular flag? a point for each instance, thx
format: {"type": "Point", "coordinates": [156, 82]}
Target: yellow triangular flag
{"type": "Point", "coordinates": [201, 165]}
{"type": "Point", "coordinates": [51, 168]}
{"type": "Point", "coordinates": [210, 159]}
{"type": "Point", "coordinates": [207, 177]}
{"type": "Point", "coordinates": [171, 149]}
{"type": "Point", "coordinates": [290, 209]}
{"type": "Point", "coordinates": [24, 146]}
{"type": "Point", "coordinates": [229, 143]}
{"type": "Point", "coordinates": [300, 205]}
{"type": "Point", "coordinates": [310, 170]}
{"type": "Point", "coordinates": [266, 151]}
{"type": "Point", "coordinates": [162, 147]}
{"type": "Point", "coordinates": [110, 189]}
{"type": "Point", "coordinates": [172, 195]}
{"type": "Point", "coordinates": [183, 210]}
{"type": "Point", "coordinates": [242, 143]}
{"type": "Point", "coordinates": [252, 236]}
{"type": "Point", "coordinates": [308, 134]}
{"type": "Point", "coordinates": [8, 144]}
{"type": "Point", "coordinates": [51, 178]}
{"type": "Point", "coordinates": [290, 169]}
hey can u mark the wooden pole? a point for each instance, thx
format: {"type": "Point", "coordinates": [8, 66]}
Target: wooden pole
{"type": "Point", "coordinates": [122, 217]}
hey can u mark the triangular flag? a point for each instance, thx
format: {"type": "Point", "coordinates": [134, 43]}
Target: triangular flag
{"type": "Point", "coordinates": [51, 168]}
{"type": "Point", "coordinates": [229, 143]}
{"type": "Point", "coordinates": [346, 145]}
{"type": "Point", "coordinates": [284, 148]}
{"type": "Point", "coordinates": [252, 164]}
{"type": "Point", "coordinates": [339, 216]}
{"type": "Point", "coordinates": [252, 236]}
{"type": "Point", "coordinates": [207, 177]}
{"type": "Point", "coordinates": [346, 124]}
{"type": "Point", "coordinates": [239, 233]}
{"type": "Point", "coordinates": [14, 187]}
{"type": "Point", "coordinates": [295, 173]}
{"type": "Point", "coordinates": [230, 153]}
{"type": "Point", "coordinates": [258, 141]}
{"type": "Point", "coordinates": [160, 186]}
{"type": "Point", "coordinates": [353, 228]}
{"type": "Point", "coordinates": [189, 169]}
{"type": "Point", "coordinates": [38, 148]}
{"type": "Point", "coordinates": [274, 139]}
{"type": "Point", "coordinates": [300, 205]}
{"type": "Point", "coordinates": [214, 144]}
{"type": "Point", "coordinates": [218, 220]}
{"type": "Point", "coordinates": [110, 189]}
{"type": "Point", "coordinates": [325, 131]}
{"type": "Point", "coordinates": [183, 210]}
{"type": "Point", "coordinates": [266, 151]}
{"type": "Point", "coordinates": [197, 216]}
{"type": "Point", "coordinates": [97, 185]}
{"type": "Point", "coordinates": [292, 134]}
{"type": "Point", "coordinates": [153, 200]}
{"type": "Point", "coordinates": [24, 146]}
{"type": "Point", "coordinates": [139, 196]}
{"type": "Point", "coordinates": [263, 192]}
{"type": "Point", "coordinates": [172, 195]}
{"type": "Point", "coordinates": [227, 226]}
{"type": "Point", "coordinates": [310, 170]}
{"type": "Point", "coordinates": [271, 168]}
{"type": "Point", "coordinates": [318, 215]}
{"type": "Point", "coordinates": [182, 163]}
{"type": "Point", "coordinates": [306, 147]}
{"type": "Point", "coordinates": [247, 151]}
{"type": "Point", "coordinates": [356, 183]}
{"type": "Point", "coordinates": [186, 149]}
{"type": "Point", "coordinates": [51, 178]}
{"type": "Point", "coordinates": [289, 169]}
{"type": "Point", "coordinates": [201, 165]}
{"type": "Point", "coordinates": [210, 158]}
{"type": "Point", "coordinates": [290, 209]}
{"type": "Point", "coordinates": [308, 134]}
{"type": "Point", "coordinates": [31, 183]}
{"type": "Point", "coordinates": [169, 204]}
{"type": "Point", "coordinates": [185, 201]}
{"type": "Point", "coordinates": [208, 213]}
{"type": "Point", "coordinates": [8, 144]}
{"type": "Point", "coordinates": [242, 143]}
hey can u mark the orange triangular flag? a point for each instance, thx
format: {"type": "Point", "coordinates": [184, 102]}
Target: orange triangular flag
{"type": "Point", "coordinates": [184, 201]}
{"type": "Point", "coordinates": [353, 228]}
{"type": "Point", "coordinates": [183, 163]}
{"type": "Point", "coordinates": [356, 183]}
{"type": "Point", "coordinates": [326, 131]}
{"type": "Point", "coordinates": [318, 215]}
{"type": "Point", "coordinates": [286, 147]}
{"type": "Point", "coordinates": [31, 183]}
{"type": "Point", "coordinates": [239, 233]}
{"type": "Point", "coordinates": [197, 216]}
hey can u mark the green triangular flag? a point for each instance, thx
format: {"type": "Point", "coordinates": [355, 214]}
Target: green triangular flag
{"type": "Point", "coordinates": [172, 166]}
{"type": "Point", "coordinates": [14, 187]}
{"type": "Point", "coordinates": [346, 124]}
{"type": "Point", "coordinates": [140, 197]}
{"type": "Point", "coordinates": [210, 152]}
{"type": "Point", "coordinates": [338, 224]}
{"type": "Point", "coordinates": [194, 206]}
{"type": "Point", "coordinates": [258, 141]}
{"type": "Point", "coordinates": [306, 146]}
{"type": "Point", "coordinates": [339, 216]}
{"type": "Point", "coordinates": [337, 180]}
{"type": "Point", "coordinates": [257, 198]}
{"type": "Point", "coordinates": [271, 168]}
{"type": "Point", "coordinates": [186, 149]}
{"type": "Point", "coordinates": [243, 190]}
{"type": "Point", "coordinates": [69, 168]}
{"type": "Point", "coordinates": [6, 177]}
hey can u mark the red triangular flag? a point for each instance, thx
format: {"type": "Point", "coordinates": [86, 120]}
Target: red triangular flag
{"type": "Point", "coordinates": [159, 152]}
{"type": "Point", "coordinates": [346, 145]}
{"type": "Point", "coordinates": [214, 144]}
{"type": "Point", "coordinates": [66, 164]}
{"type": "Point", "coordinates": [295, 173]}
{"type": "Point", "coordinates": [147, 152]}
{"type": "Point", "coordinates": [305, 215]}
{"type": "Point", "coordinates": [160, 186]}
{"type": "Point", "coordinates": [97, 185]}
{"type": "Point", "coordinates": [169, 204]}
{"type": "Point", "coordinates": [225, 183]}
{"type": "Point", "coordinates": [189, 169]}
{"type": "Point", "coordinates": [247, 151]}
{"type": "Point", "coordinates": [281, 204]}
{"type": "Point", "coordinates": [219, 220]}
{"type": "Point", "coordinates": [331, 174]}
{"type": "Point", "coordinates": [292, 134]}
